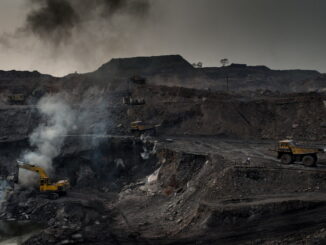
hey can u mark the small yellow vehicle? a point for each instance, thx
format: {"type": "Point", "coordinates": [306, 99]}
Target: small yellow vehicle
{"type": "Point", "coordinates": [52, 190]}
{"type": "Point", "coordinates": [16, 99]}
{"type": "Point", "coordinates": [141, 127]}
{"type": "Point", "coordinates": [289, 152]}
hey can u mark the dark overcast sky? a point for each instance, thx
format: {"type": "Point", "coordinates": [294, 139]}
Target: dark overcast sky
{"type": "Point", "coordinates": [282, 34]}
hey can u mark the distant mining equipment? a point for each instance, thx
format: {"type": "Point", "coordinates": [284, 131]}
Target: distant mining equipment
{"type": "Point", "coordinates": [16, 98]}
{"type": "Point", "coordinates": [140, 127]}
{"type": "Point", "coordinates": [133, 101]}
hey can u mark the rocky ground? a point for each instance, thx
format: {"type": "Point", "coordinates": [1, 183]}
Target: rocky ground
{"type": "Point", "coordinates": [209, 176]}
{"type": "Point", "coordinates": [196, 190]}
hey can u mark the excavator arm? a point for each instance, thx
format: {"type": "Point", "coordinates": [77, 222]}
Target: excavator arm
{"type": "Point", "coordinates": [44, 178]}
{"type": "Point", "coordinates": [33, 168]}
{"type": "Point", "coordinates": [36, 169]}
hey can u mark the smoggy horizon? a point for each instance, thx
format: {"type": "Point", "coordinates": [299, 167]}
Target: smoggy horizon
{"type": "Point", "coordinates": [81, 35]}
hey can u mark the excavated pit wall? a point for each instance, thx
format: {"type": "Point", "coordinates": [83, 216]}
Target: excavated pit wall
{"type": "Point", "coordinates": [10, 151]}
{"type": "Point", "coordinates": [107, 163]}
{"type": "Point", "coordinates": [218, 200]}
{"type": "Point", "coordinates": [182, 111]}
{"type": "Point", "coordinates": [112, 162]}
{"type": "Point", "coordinates": [202, 189]}
{"type": "Point", "coordinates": [220, 178]}
{"type": "Point", "coordinates": [17, 122]}
{"type": "Point", "coordinates": [252, 181]}
{"type": "Point", "coordinates": [178, 168]}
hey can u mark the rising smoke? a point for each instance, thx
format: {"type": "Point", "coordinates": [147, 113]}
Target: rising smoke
{"type": "Point", "coordinates": [64, 36]}
{"type": "Point", "coordinates": [58, 21]}
{"type": "Point", "coordinates": [52, 20]}
{"type": "Point", "coordinates": [91, 118]}
{"type": "Point", "coordinates": [48, 137]}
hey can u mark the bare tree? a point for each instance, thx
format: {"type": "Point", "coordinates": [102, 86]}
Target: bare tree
{"type": "Point", "coordinates": [224, 62]}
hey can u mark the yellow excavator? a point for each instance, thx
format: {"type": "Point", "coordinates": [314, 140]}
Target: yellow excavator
{"type": "Point", "coordinates": [52, 190]}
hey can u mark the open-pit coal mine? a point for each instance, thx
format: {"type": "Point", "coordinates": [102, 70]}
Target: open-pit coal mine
{"type": "Point", "coordinates": [152, 150]}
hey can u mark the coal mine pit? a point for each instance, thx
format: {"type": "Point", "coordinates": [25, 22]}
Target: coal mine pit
{"type": "Point", "coordinates": [140, 152]}
{"type": "Point", "coordinates": [108, 163]}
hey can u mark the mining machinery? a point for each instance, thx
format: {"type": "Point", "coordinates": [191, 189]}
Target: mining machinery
{"type": "Point", "coordinates": [289, 152]}
{"type": "Point", "coordinates": [52, 190]}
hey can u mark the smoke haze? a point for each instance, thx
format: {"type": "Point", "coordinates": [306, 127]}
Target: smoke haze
{"type": "Point", "coordinates": [60, 117]}
{"type": "Point", "coordinates": [49, 136]}
{"type": "Point", "coordinates": [64, 36]}
{"type": "Point", "coordinates": [57, 21]}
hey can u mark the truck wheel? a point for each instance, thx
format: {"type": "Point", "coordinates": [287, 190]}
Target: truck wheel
{"type": "Point", "coordinates": [54, 196]}
{"type": "Point", "coordinates": [62, 193]}
{"type": "Point", "coordinates": [286, 158]}
{"type": "Point", "coordinates": [309, 160]}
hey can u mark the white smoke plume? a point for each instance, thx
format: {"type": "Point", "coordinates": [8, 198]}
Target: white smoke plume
{"type": "Point", "coordinates": [49, 136]}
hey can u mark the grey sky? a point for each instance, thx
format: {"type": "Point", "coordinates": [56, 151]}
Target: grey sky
{"type": "Point", "coordinates": [282, 34]}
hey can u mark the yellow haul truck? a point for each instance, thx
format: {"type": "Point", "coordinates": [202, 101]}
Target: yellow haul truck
{"type": "Point", "coordinates": [52, 190]}
{"type": "Point", "coordinates": [289, 151]}
{"type": "Point", "coordinates": [140, 127]}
